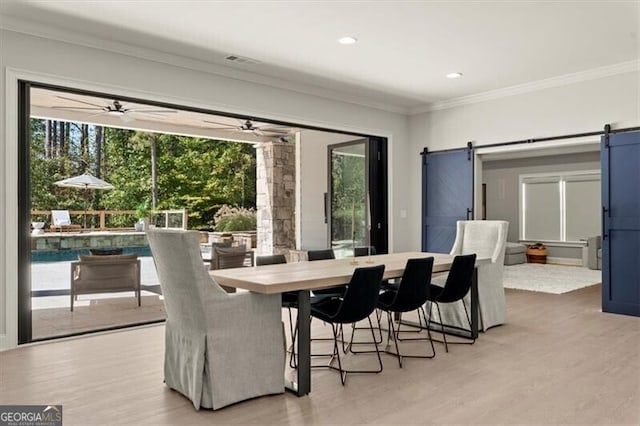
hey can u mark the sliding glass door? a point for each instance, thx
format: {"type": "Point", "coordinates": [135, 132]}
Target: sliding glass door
{"type": "Point", "coordinates": [357, 199]}
{"type": "Point", "coordinates": [349, 218]}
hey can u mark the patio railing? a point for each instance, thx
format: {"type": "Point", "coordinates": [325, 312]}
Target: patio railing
{"type": "Point", "coordinates": [161, 218]}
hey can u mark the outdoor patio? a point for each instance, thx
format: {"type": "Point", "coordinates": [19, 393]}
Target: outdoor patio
{"type": "Point", "coordinates": [51, 315]}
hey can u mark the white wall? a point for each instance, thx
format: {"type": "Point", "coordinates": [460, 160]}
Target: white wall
{"type": "Point", "coordinates": [75, 65]}
{"type": "Point", "coordinates": [574, 108]}
{"type": "Point", "coordinates": [579, 107]}
{"type": "Point", "coordinates": [312, 232]}
{"type": "Point", "coordinates": [503, 186]}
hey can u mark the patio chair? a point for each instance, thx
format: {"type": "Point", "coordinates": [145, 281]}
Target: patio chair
{"type": "Point", "coordinates": [105, 274]}
{"type": "Point", "coordinates": [229, 257]}
{"type": "Point", "coordinates": [220, 348]}
{"type": "Point", "coordinates": [61, 221]}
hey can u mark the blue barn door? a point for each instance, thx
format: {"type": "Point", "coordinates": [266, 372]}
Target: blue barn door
{"type": "Point", "coordinates": [620, 157]}
{"type": "Point", "coordinates": [447, 196]}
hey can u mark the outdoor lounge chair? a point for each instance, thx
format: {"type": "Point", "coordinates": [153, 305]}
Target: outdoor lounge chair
{"type": "Point", "coordinates": [105, 274]}
{"type": "Point", "coordinates": [61, 221]}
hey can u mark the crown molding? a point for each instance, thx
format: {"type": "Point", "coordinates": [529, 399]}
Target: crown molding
{"type": "Point", "coordinates": [31, 28]}
{"type": "Point", "coordinates": [558, 81]}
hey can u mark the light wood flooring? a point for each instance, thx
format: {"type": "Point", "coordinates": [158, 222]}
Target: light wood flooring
{"type": "Point", "coordinates": [557, 360]}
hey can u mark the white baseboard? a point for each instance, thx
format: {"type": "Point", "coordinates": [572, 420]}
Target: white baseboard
{"type": "Point", "coordinates": [564, 261]}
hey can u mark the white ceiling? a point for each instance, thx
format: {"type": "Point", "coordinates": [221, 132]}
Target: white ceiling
{"type": "Point", "coordinates": [405, 48]}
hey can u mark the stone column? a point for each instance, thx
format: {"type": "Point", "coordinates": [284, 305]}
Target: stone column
{"type": "Point", "coordinates": [275, 197]}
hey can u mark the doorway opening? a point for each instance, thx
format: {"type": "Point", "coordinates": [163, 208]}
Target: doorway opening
{"type": "Point", "coordinates": [119, 129]}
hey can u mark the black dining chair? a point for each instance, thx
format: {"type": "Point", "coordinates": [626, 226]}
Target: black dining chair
{"type": "Point", "coordinates": [411, 295]}
{"type": "Point", "coordinates": [327, 254]}
{"type": "Point", "coordinates": [455, 289]}
{"type": "Point", "coordinates": [361, 252]}
{"type": "Point", "coordinates": [358, 303]}
{"type": "Point", "coordinates": [289, 298]}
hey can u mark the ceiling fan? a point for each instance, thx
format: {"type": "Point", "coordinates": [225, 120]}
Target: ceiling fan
{"type": "Point", "coordinates": [114, 108]}
{"type": "Point", "coordinates": [247, 126]}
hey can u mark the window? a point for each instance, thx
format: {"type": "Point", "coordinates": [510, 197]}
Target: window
{"type": "Point", "coordinates": [562, 207]}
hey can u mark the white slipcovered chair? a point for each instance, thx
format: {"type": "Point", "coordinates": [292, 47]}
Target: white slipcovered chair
{"type": "Point", "coordinates": [487, 239]}
{"type": "Point", "coordinates": [220, 348]}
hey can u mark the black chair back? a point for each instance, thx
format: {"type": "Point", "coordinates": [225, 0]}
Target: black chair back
{"type": "Point", "coordinates": [361, 296]}
{"type": "Point", "coordinates": [364, 251]}
{"type": "Point", "coordinates": [320, 254]}
{"type": "Point", "coordinates": [274, 259]}
{"type": "Point", "coordinates": [414, 286]}
{"type": "Point", "coordinates": [459, 280]}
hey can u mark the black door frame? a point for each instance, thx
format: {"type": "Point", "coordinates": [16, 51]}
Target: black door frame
{"type": "Point", "coordinates": [24, 213]}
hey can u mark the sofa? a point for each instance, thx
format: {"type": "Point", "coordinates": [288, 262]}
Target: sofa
{"type": "Point", "coordinates": [515, 254]}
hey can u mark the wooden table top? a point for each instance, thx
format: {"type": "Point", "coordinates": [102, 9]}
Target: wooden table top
{"type": "Point", "coordinates": [318, 274]}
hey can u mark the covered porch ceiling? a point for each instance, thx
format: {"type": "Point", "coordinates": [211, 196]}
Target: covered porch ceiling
{"type": "Point", "coordinates": [114, 112]}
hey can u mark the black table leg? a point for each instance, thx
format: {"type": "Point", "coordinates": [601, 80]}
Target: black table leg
{"type": "Point", "coordinates": [303, 384]}
{"type": "Point", "coordinates": [474, 304]}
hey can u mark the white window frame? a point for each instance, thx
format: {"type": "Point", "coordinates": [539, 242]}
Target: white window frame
{"type": "Point", "coordinates": [562, 178]}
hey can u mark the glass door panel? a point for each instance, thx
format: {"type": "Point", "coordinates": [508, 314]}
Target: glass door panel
{"type": "Point", "coordinates": [348, 214]}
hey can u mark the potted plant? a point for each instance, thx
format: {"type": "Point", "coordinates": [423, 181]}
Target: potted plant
{"type": "Point", "coordinates": [142, 213]}
{"type": "Point", "coordinates": [233, 223]}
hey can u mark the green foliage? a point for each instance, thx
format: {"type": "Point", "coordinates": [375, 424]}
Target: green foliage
{"type": "Point", "coordinates": [142, 211]}
{"type": "Point", "coordinates": [231, 219]}
{"type": "Point", "coordinates": [196, 174]}
{"type": "Point", "coordinates": [348, 197]}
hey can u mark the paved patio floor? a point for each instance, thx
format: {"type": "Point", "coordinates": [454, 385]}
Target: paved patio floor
{"type": "Point", "coordinates": [56, 275]}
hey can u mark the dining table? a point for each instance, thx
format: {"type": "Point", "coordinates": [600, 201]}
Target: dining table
{"type": "Point", "coordinates": [304, 277]}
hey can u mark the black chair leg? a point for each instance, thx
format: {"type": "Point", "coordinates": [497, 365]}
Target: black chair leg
{"type": "Point", "coordinates": [394, 334]}
{"type": "Point", "coordinates": [442, 327]}
{"type": "Point", "coordinates": [464, 305]}
{"type": "Point", "coordinates": [336, 354]}
{"type": "Point", "coordinates": [378, 339]}
{"type": "Point", "coordinates": [293, 330]}
{"type": "Point", "coordinates": [444, 335]}
{"type": "Point", "coordinates": [292, 359]}
{"type": "Point", "coordinates": [375, 339]}
{"type": "Point", "coordinates": [417, 329]}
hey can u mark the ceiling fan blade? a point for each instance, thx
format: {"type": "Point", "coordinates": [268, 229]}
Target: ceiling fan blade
{"type": "Point", "coordinates": [82, 102]}
{"type": "Point", "coordinates": [227, 126]}
{"type": "Point", "coordinates": [274, 132]}
{"type": "Point", "coordinates": [158, 111]}
{"type": "Point", "coordinates": [78, 108]}
{"type": "Point", "coordinates": [274, 126]}
{"type": "Point", "coordinates": [145, 113]}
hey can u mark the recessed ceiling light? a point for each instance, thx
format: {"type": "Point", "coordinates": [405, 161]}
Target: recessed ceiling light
{"type": "Point", "coordinates": [454, 75]}
{"type": "Point", "coordinates": [347, 40]}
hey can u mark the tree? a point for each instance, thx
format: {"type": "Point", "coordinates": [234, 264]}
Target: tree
{"type": "Point", "coordinates": [161, 170]}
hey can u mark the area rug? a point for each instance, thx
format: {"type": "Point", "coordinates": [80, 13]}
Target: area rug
{"type": "Point", "coordinates": [556, 279]}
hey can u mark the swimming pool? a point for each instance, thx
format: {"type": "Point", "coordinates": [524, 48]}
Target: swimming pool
{"type": "Point", "coordinates": [67, 255]}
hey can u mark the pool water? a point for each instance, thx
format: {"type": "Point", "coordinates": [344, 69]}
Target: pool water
{"type": "Point", "coordinates": [72, 254]}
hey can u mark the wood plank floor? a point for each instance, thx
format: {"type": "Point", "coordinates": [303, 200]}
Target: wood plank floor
{"type": "Point", "coordinates": [557, 360]}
